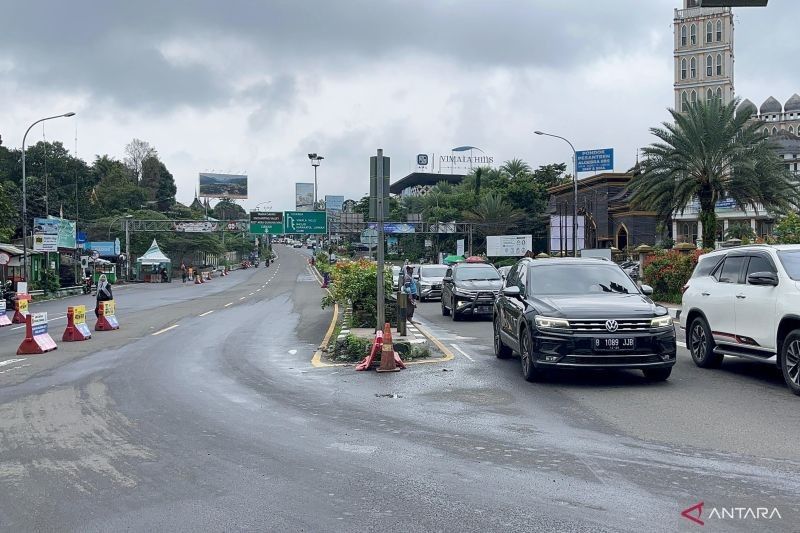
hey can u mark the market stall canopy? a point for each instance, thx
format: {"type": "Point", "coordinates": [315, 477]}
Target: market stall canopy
{"type": "Point", "coordinates": [153, 256]}
{"type": "Point", "coordinates": [450, 259]}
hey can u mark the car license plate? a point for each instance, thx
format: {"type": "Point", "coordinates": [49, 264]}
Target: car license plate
{"type": "Point", "coordinates": [613, 344]}
{"type": "Point", "coordinates": [485, 309]}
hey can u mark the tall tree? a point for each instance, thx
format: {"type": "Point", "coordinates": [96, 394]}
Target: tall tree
{"type": "Point", "coordinates": [158, 183]}
{"type": "Point", "coordinates": [710, 153]}
{"type": "Point", "coordinates": [136, 152]}
{"type": "Point", "coordinates": [515, 168]}
{"type": "Point", "coordinates": [493, 215]}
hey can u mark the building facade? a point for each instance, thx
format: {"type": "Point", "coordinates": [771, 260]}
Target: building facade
{"type": "Point", "coordinates": [605, 215]}
{"type": "Point", "coordinates": [703, 54]}
{"type": "Point", "coordinates": [421, 183]}
{"type": "Point", "coordinates": [777, 118]}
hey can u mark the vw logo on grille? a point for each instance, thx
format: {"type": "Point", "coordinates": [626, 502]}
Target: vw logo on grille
{"type": "Point", "coordinates": [611, 325]}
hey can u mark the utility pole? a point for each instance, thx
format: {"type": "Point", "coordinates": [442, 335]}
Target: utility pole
{"type": "Point", "coordinates": [379, 215]}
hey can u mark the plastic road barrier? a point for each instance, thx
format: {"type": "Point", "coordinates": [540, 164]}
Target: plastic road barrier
{"type": "Point", "coordinates": [37, 340]}
{"type": "Point", "coordinates": [20, 311]}
{"type": "Point", "coordinates": [4, 321]}
{"type": "Point", "coordinates": [106, 320]}
{"type": "Point", "coordinates": [77, 329]}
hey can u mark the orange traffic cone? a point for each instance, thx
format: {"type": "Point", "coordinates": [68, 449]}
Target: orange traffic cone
{"type": "Point", "coordinates": [387, 353]}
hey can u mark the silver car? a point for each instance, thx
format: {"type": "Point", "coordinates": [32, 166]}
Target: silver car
{"type": "Point", "coordinates": [429, 281]}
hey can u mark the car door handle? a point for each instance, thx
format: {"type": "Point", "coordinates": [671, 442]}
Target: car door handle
{"type": "Point", "coordinates": [705, 293]}
{"type": "Point", "coordinates": [741, 296]}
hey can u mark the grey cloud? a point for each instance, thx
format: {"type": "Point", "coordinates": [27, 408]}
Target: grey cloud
{"type": "Point", "coordinates": [111, 48]}
{"type": "Point", "coordinates": [272, 99]}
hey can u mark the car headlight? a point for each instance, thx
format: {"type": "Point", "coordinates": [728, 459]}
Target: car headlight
{"type": "Point", "coordinates": [661, 322]}
{"type": "Point", "coordinates": [425, 285]}
{"type": "Point", "coordinates": [462, 292]}
{"type": "Point", "coordinates": [546, 322]}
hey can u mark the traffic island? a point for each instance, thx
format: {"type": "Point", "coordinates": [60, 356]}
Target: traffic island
{"type": "Point", "coordinates": [353, 345]}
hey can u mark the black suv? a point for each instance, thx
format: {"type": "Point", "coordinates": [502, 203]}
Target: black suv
{"type": "Point", "coordinates": [569, 313]}
{"type": "Point", "coordinates": [470, 289]}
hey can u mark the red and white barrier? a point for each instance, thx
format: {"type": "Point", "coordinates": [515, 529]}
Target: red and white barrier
{"type": "Point", "coordinates": [37, 339]}
{"type": "Point", "coordinates": [106, 319]}
{"type": "Point", "coordinates": [4, 320]}
{"type": "Point", "coordinates": [77, 328]}
{"type": "Point", "coordinates": [20, 311]}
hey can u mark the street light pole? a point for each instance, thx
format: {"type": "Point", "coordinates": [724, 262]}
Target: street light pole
{"type": "Point", "coordinates": [25, 195]}
{"type": "Point", "coordinates": [315, 160]}
{"type": "Point", "coordinates": [574, 191]}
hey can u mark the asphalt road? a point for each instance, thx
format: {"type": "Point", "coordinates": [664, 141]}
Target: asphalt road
{"type": "Point", "coordinates": [220, 423]}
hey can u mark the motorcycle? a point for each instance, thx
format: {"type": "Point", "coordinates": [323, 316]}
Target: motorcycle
{"type": "Point", "coordinates": [87, 285]}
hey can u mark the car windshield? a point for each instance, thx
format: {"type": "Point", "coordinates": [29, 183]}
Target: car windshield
{"type": "Point", "coordinates": [478, 273]}
{"type": "Point", "coordinates": [579, 279]}
{"type": "Point", "coordinates": [791, 263]}
{"type": "Point", "coordinates": [433, 271]}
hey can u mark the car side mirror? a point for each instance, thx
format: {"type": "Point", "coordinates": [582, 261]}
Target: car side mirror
{"type": "Point", "coordinates": [447, 279]}
{"type": "Point", "coordinates": [647, 290]}
{"type": "Point", "coordinates": [512, 291]}
{"type": "Point", "coordinates": [763, 278]}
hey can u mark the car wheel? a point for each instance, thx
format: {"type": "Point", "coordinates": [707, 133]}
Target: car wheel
{"type": "Point", "coordinates": [657, 374]}
{"type": "Point", "coordinates": [445, 310]}
{"type": "Point", "coordinates": [456, 317]}
{"type": "Point", "coordinates": [501, 351]}
{"type": "Point", "coordinates": [790, 361]}
{"type": "Point", "coordinates": [701, 345]}
{"type": "Point", "coordinates": [529, 371]}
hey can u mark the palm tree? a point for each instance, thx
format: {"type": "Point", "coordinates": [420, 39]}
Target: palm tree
{"type": "Point", "coordinates": [515, 168]}
{"type": "Point", "coordinates": [493, 215]}
{"type": "Point", "coordinates": [710, 153]}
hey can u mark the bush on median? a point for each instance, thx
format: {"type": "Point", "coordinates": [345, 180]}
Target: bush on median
{"type": "Point", "coordinates": [355, 283]}
{"type": "Point", "coordinates": [668, 271]}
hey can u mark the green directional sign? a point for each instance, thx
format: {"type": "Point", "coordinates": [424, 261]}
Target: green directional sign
{"type": "Point", "coordinates": [262, 222]}
{"type": "Point", "coordinates": [306, 222]}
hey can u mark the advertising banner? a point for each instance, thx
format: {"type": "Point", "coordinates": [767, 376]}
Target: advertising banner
{"type": "Point", "coordinates": [304, 196]}
{"type": "Point", "coordinates": [45, 234]}
{"type": "Point", "coordinates": [66, 234]}
{"type": "Point", "coordinates": [394, 227]}
{"type": "Point", "coordinates": [22, 306]}
{"type": "Point", "coordinates": [222, 185]}
{"type": "Point", "coordinates": [561, 233]}
{"type": "Point", "coordinates": [196, 227]}
{"type": "Point", "coordinates": [460, 247]}
{"type": "Point", "coordinates": [104, 248]}
{"type": "Point", "coordinates": [333, 204]}
{"type": "Point", "coordinates": [109, 308]}
{"type": "Point", "coordinates": [596, 160]}
{"type": "Point", "coordinates": [262, 222]}
{"type": "Point", "coordinates": [79, 314]}
{"type": "Point", "coordinates": [508, 245]}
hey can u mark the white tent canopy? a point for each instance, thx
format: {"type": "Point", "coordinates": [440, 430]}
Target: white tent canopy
{"type": "Point", "coordinates": [153, 256]}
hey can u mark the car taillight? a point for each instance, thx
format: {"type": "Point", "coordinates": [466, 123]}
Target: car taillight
{"type": "Point", "coordinates": [683, 289]}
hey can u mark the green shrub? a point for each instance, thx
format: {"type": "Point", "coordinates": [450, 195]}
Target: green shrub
{"type": "Point", "coordinates": [667, 272]}
{"type": "Point", "coordinates": [355, 282]}
{"type": "Point", "coordinates": [50, 282]}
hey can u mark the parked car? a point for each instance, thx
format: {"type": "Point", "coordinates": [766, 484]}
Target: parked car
{"type": "Point", "coordinates": [429, 280]}
{"type": "Point", "coordinates": [297, 245]}
{"type": "Point", "coordinates": [745, 302]}
{"type": "Point", "coordinates": [587, 313]}
{"type": "Point", "coordinates": [470, 289]}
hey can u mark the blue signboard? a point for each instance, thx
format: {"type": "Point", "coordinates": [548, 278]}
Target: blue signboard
{"type": "Point", "coordinates": [394, 227]}
{"type": "Point", "coordinates": [104, 248]}
{"type": "Point", "coordinates": [596, 160]}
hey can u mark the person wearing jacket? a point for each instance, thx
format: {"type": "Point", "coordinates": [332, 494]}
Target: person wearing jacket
{"type": "Point", "coordinates": [104, 293]}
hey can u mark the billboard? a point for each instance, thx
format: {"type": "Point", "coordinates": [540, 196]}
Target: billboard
{"type": "Point", "coordinates": [333, 203]}
{"type": "Point", "coordinates": [508, 245]}
{"type": "Point", "coordinates": [304, 196]}
{"type": "Point", "coordinates": [561, 233]}
{"type": "Point", "coordinates": [222, 185]}
{"type": "Point", "coordinates": [596, 160]}
{"type": "Point", "coordinates": [45, 234]}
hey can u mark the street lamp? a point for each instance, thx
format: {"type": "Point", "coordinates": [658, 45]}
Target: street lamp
{"type": "Point", "coordinates": [24, 195]}
{"type": "Point", "coordinates": [315, 159]}
{"type": "Point", "coordinates": [574, 191]}
{"type": "Point", "coordinates": [268, 204]}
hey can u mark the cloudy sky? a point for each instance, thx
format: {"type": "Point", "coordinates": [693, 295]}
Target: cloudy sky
{"type": "Point", "coordinates": [253, 86]}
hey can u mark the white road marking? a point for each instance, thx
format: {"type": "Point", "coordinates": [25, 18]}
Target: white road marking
{"type": "Point", "coordinates": [290, 351]}
{"type": "Point", "coordinates": [228, 304]}
{"type": "Point", "coordinates": [457, 347]}
{"type": "Point", "coordinates": [207, 313]}
{"type": "Point", "coordinates": [20, 327]}
{"type": "Point", "coordinates": [259, 290]}
{"type": "Point", "coordinates": [165, 329]}
{"type": "Point", "coordinates": [243, 297]}
{"type": "Point", "coordinates": [10, 361]}
{"type": "Point", "coordinates": [681, 344]}
{"type": "Point", "coordinates": [13, 368]}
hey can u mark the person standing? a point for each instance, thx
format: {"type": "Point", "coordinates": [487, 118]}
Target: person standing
{"type": "Point", "coordinates": [104, 293]}
{"type": "Point", "coordinates": [183, 272]}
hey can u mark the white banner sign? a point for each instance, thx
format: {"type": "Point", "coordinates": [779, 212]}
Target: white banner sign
{"type": "Point", "coordinates": [460, 247]}
{"type": "Point", "coordinates": [508, 245]}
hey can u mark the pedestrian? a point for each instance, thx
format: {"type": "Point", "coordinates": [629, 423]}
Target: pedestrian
{"type": "Point", "coordinates": [410, 288]}
{"type": "Point", "coordinates": [183, 272]}
{"type": "Point", "coordinates": [104, 293]}
{"type": "Point", "coordinates": [164, 275]}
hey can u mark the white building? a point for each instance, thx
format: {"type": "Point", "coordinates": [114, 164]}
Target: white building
{"type": "Point", "coordinates": [704, 68]}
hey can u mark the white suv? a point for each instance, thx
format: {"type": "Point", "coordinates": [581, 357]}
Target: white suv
{"type": "Point", "coordinates": [745, 302]}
